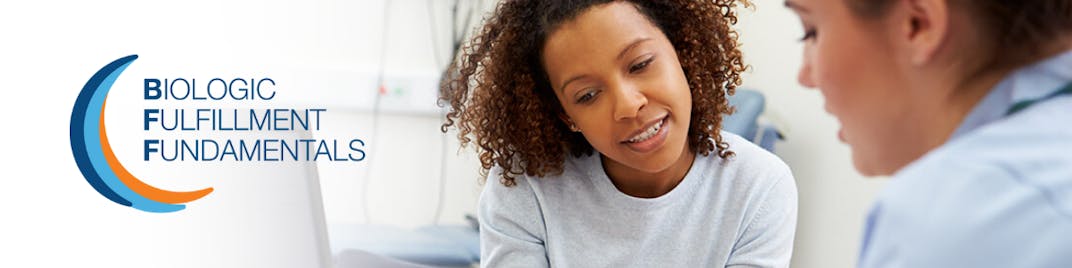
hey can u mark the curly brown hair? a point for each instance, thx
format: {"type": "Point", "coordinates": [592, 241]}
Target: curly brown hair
{"type": "Point", "coordinates": [500, 95]}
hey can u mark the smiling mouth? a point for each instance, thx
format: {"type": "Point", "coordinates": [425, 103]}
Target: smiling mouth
{"type": "Point", "coordinates": [648, 132]}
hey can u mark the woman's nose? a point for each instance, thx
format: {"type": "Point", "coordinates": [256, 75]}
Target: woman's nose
{"type": "Point", "coordinates": [629, 100]}
{"type": "Point", "coordinates": [806, 76]}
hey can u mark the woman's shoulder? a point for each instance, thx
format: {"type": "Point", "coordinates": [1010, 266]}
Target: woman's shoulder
{"type": "Point", "coordinates": [751, 173]}
{"type": "Point", "coordinates": [749, 160]}
{"type": "Point", "coordinates": [572, 169]}
{"type": "Point", "coordinates": [758, 185]}
{"type": "Point", "coordinates": [515, 196]}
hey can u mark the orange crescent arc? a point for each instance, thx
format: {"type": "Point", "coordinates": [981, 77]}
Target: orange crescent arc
{"type": "Point", "coordinates": [142, 188]}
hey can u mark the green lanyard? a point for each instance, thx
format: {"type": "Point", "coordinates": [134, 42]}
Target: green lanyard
{"type": "Point", "coordinates": [1020, 106]}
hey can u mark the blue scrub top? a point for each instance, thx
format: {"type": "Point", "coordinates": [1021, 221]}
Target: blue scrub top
{"type": "Point", "coordinates": [997, 194]}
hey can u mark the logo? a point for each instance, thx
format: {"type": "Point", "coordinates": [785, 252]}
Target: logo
{"type": "Point", "coordinates": [97, 162]}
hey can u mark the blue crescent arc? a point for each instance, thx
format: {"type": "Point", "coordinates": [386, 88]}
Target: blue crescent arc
{"type": "Point", "coordinates": [97, 162]}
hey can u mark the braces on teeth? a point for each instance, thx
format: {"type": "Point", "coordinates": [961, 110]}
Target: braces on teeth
{"type": "Point", "coordinates": [647, 134]}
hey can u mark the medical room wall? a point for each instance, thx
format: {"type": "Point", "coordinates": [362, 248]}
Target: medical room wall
{"type": "Point", "coordinates": [415, 175]}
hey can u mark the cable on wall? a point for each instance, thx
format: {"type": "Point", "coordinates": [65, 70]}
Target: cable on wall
{"type": "Point", "coordinates": [381, 90]}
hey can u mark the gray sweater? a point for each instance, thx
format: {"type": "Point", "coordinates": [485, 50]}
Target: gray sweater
{"type": "Point", "coordinates": [739, 212]}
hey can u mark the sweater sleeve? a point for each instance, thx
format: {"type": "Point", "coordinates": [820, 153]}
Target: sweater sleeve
{"type": "Point", "coordinates": [767, 240]}
{"type": "Point", "coordinates": [512, 231]}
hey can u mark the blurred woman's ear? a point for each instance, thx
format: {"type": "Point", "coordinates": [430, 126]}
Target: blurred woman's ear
{"type": "Point", "coordinates": [924, 27]}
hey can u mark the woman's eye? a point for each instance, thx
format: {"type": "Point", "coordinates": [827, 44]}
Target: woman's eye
{"type": "Point", "coordinates": [640, 66]}
{"type": "Point", "coordinates": [587, 97]}
{"type": "Point", "coordinates": [809, 34]}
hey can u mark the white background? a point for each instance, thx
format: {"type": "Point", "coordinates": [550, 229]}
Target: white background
{"type": "Point", "coordinates": [322, 54]}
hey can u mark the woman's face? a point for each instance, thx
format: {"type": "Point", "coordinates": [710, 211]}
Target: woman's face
{"type": "Point", "coordinates": [855, 67]}
{"type": "Point", "coordinates": [619, 81]}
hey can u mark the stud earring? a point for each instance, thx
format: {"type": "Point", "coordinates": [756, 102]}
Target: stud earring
{"type": "Point", "coordinates": [574, 128]}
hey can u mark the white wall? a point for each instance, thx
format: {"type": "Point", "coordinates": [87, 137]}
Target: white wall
{"type": "Point", "coordinates": [834, 198]}
{"type": "Point", "coordinates": [406, 149]}
{"type": "Point", "coordinates": [407, 159]}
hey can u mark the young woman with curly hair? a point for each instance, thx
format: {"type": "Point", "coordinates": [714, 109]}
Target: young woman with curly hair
{"type": "Point", "coordinates": [599, 125]}
{"type": "Point", "coordinates": [968, 106]}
